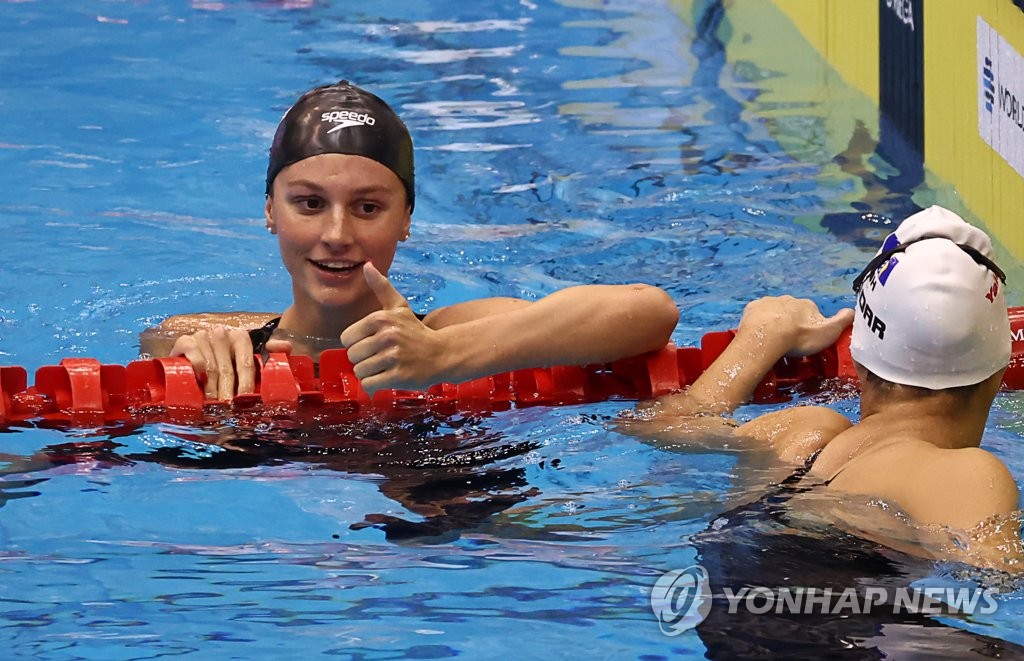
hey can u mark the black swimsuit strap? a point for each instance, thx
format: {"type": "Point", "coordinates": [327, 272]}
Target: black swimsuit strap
{"type": "Point", "coordinates": [261, 335]}
{"type": "Point", "coordinates": [801, 471]}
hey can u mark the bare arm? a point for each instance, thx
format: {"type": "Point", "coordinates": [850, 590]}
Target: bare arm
{"type": "Point", "coordinates": [575, 326]}
{"type": "Point", "coordinates": [770, 328]}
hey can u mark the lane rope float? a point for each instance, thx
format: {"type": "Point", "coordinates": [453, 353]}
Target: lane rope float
{"type": "Point", "coordinates": [81, 390]}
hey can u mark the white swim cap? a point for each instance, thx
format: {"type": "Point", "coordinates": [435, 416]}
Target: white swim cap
{"type": "Point", "coordinates": [930, 307]}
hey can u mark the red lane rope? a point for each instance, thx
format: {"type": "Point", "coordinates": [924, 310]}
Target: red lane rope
{"type": "Point", "coordinates": [81, 389]}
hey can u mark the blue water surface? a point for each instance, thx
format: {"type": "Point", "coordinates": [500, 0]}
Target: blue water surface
{"type": "Point", "coordinates": [557, 144]}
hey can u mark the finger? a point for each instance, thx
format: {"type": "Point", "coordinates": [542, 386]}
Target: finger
{"type": "Point", "coordinates": [363, 347]}
{"type": "Point", "coordinates": [224, 363]}
{"type": "Point", "coordinates": [245, 366]}
{"type": "Point", "coordinates": [389, 297]}
{"type": "Point", "coordinates": [279, 346]}
{"type": "Point", "coordinates": [187, 347]}
{"type": "Point", "coordinates": [361, 331]}
{"type": "Point", "coordinates": [379, 372]}
{"type": "Point", "coordinates": [380, 381]}
{"type": "Point", "coordinates": [371, 385]}
{"type": "Point", "coordinates": [840, 321]}
{"type": "Point", "coordinates": [825, 333]}
{"type": "Point", "coordinates": [196, 348]}
{"type": "Point", "coordinates": [365, 330]}
{"type": "Point", "coordinates": [373, 366]}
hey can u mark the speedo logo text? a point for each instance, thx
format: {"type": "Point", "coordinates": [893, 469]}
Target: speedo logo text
{"type": "Point", "coordinates": [346, 118]}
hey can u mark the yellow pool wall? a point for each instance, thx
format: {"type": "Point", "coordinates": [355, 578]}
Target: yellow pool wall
{"type": "Point", "coordinates": [961, 170]}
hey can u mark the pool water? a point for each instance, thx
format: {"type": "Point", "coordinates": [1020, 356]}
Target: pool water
{"type": "Point", "coordinates": [558, 144]}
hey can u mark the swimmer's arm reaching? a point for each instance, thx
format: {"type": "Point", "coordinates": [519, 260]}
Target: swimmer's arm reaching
{"type": "Point", "coordinates": [574, 326]}
{"type": "Point", "coordinates": [771, 327]}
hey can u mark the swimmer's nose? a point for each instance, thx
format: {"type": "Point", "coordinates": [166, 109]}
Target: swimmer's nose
{"type": "Point", "coordinates": [337, 228]}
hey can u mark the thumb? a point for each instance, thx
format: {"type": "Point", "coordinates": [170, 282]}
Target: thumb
{"type": "Point", "coordinates": [837, 323]}
{"type": "Point", "coordinates": [822, 334]}
{"type": "Point", "coordinates": [841, 319]}
{"type": "Point", "coordinates": [388, 296]}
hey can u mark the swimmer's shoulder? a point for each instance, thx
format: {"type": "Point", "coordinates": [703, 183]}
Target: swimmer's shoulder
{"type": "Point", "coordinates": [961, 487]}
{"type": "Point", "coordinates": [952, 487]}
{"type": "Point", "coordinates": [795, 434]}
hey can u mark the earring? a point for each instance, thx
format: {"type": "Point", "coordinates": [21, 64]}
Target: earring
{"type": "Point", "coordinates": [270, 229]}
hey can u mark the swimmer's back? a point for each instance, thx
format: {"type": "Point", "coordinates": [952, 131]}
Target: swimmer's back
{"type": "Point", "coordinates": [902, 462]}
{"type": "Point", "coordinates": [942, 489]}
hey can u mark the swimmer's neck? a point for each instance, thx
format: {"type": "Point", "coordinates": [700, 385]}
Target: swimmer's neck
{"type": "Point", "coordinates": [321, 322]}
{"type": "Point", "coordinates": [941, 420]}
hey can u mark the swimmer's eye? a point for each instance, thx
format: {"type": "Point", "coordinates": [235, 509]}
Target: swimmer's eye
{"type": "Point", "coordinates": [366, 209]}
{"type": "Point", "coordinates": [309, 203]}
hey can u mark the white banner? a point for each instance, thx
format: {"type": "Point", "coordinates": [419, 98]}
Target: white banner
{"type": "Point", "coordinates": [1001, 96]}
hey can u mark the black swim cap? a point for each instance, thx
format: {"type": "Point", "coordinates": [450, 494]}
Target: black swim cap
{"type": "Point", "coordinates": [343, 119]}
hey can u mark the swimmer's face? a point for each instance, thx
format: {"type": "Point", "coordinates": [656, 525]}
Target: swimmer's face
{"type": "Point", "coordinates": [332, 213]}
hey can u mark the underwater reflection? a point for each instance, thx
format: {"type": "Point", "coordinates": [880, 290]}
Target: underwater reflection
{"type": "Point", "coordinates": [451, 470]}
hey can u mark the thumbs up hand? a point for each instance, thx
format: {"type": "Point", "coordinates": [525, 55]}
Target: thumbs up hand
{"type": "Point", "coordinates": [391, 348]}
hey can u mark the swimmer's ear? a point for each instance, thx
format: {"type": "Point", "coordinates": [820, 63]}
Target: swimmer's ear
{"type": "Point", "coordinates": [407, 224]}
{"type": "Point", "coordinates": [271, 225]}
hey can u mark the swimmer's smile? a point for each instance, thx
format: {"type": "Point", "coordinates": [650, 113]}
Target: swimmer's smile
{"type": "Point", "coordinates": [338, 268]}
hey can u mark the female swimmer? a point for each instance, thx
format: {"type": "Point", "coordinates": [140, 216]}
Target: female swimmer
{"type": "Point", "coordinates": [340, 197]}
